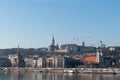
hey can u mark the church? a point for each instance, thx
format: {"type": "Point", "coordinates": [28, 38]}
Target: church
{"type": "Point", "coordinates": [53, 47]}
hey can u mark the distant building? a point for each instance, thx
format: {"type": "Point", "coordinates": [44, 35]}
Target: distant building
{"type": "Point", "coordinates": [73, 48]}
{"type": "Point", "coordinates": [69, 48]}
{"type": "Point", "coordinates": [43, 49]}
{"type": "Point", "coordinates": [61, 51]}
{"type": "Point", "coordinates": [86, 49]}
{"type": "Point", "coordinates": [114, 48]}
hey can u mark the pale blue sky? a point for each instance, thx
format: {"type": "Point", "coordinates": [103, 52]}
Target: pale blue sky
{"type": "Point", "coordinates": [32, 23]}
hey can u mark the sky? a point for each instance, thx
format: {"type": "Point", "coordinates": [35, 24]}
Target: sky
{"type": "Point", "coordinates": [32, 23]}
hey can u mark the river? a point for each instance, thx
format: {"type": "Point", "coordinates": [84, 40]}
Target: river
{"type": "Point", "coordinates": [56, 76]}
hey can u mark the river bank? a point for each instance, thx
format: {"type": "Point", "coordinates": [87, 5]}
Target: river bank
{"type": "Point", "coordinates": [62, 70]}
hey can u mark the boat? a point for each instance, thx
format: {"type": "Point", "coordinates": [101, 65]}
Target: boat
{"type": "Point", "coordinates": [108, 71]}
{"type": "Point", "coordinates": [69, 71]}
{"type": "Point", "coordinates": [103, 71]}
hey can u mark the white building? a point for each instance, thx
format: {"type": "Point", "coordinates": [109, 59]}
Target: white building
{"type": "Point", "coordinates": [12, 58]}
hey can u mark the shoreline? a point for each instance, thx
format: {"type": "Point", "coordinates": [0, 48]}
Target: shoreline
{"type": "Point", "coordinates": [63, 70]}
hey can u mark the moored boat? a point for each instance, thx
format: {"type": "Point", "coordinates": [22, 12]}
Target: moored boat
{"type": "Point", "coordinates": [108, 71]}
{"type": "Point", "coordinates": [69, 71]}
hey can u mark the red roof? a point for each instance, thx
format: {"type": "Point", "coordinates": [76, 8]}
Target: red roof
{"type": "Point", "coordinates": [90, 59]}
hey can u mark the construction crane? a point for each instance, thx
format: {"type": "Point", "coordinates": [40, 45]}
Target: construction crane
{"type": "Point", "coordinates": [101, 42]}
{"type": "Point", "coordinates": [77, 39]}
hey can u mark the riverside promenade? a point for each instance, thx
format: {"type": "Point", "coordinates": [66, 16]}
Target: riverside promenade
{"type": "Point", "coordinates": [62, 70]}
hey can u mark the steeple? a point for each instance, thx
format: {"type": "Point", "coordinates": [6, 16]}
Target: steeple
{"type": "Point", "coordinates": [18, 50]}
{"type": "Point", "coordinates": [53, 41]}
{"type": "Point", "coordinates": [20, 60]}
{"type": "Point", "coordinates": [18, 56]}
{"type": "Point", "coordinates": [83, 44]}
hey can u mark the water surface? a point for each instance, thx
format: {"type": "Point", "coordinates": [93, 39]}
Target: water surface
{"type": "Point", "coordinates": [56, 76]}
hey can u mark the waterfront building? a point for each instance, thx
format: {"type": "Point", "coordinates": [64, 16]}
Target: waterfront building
{"type": "Point", "coordinates": [35, 61]}
{"type": "Point", "coordinates": [94, 59]}
{"type": "Point", "coordinates": [62, 62]}
{"type": "Point", "coordinates": [108, 61]}
{"type": "Point", "coordinates": [5, 62]}
{"type": "Point", "coordinates": [29, 62]}
{"type": "Point", "coordinates": [50, 62]}
{"type": "Point", "coordinates": [13, 58]}
{"type": "Point", "coordinates": [91, 61]}
{"type": "Point", "coordinates": [21, 62]}
{"type": "Point", "coordinates": [114, 54]}
{"type": "Point", "coordinates": [16, 59]}
{"type": "Point", "coordinates": [40, 62]}
{"type": "Point", "coordinates": [100, 57]}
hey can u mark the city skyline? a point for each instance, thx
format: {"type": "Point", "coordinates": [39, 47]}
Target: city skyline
{"type": "Point", "coordinates": [32, 23]}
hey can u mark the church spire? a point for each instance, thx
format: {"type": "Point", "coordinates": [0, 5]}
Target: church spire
{"type": "Point", "coordinates": [18, 56]}
{"type": "Point", "coordinates": [53, 41]}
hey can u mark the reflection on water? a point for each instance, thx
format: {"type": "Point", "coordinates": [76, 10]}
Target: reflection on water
{"type": "Point", "coordinates": [56, 76]}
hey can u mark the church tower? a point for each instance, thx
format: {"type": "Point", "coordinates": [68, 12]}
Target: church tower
{"type": "Point", "coordinates": [20, 60]}
{"type": "Point", "coordinates": [53, 41]}
{"type": "Point", "coordinates": [52, 47]}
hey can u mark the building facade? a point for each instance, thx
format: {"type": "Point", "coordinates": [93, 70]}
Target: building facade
{"type": "Point", "coordinates": [62, 62]}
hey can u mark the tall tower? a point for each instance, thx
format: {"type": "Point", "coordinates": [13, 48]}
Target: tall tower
{"type": "Point", "coordinates": [83, 44]}
{"type": "Point", "coordinates": [18, 56]}
{"type": "Point", "coordinates": [53, 41]}
{"type": "Point", "coordinates": [17, 50]}
{"type": "Point", "coordinates": [99, 56]}
{"type": "Point", "coordinates": [52, 47]}
{"type": "Point", "coordinates": [20, 60]}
